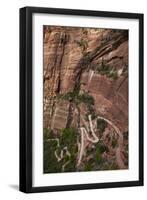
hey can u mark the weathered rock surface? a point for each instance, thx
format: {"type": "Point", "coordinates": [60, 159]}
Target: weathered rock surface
{"type": "Point", "coordinates": [73, 54]}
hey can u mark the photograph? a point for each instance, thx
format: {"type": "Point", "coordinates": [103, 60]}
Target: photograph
{"type": "Point", "coordinates": [85, 99]}
{"type": "Point", "coordinates": [81, 102]}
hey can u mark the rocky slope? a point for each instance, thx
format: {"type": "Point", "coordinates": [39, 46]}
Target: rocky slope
{"type": "Point", "coordinates": [86, 73]}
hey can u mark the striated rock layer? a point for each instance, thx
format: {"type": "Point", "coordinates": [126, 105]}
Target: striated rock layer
{"type": "Point", "coordinates": [71, 54]}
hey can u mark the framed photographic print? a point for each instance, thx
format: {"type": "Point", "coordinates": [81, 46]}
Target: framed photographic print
{"type": "Point", "coordinates": [81, 99]}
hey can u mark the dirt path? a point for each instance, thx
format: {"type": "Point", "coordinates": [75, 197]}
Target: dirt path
{"type": "Point", "coordinates": [95, 139]}
{"type": "Point", "coordinates": [120, 142]}
{"type": "Point", "coordinates": [61, 156]}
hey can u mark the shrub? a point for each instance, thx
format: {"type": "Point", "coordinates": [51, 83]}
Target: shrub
{"type": "Point", "coordinates": [88, 167]}
{"type": "Point", "coordinates": [68, 96]}
{"type": "Point", "coordinates": [83, 44]}
{"type": "Point", "coordinates": [106, 69]}
{"type": "Point", "coordinates": [78, 98]}
{"type": "Point", "coordinates": [50, 163]}
{"type": "Point", "coordinates": [46, 133]}
{"type": "Point", "coordinates": [93, 116]}
{"type": "Point", "coordinates": [113, 75]}
{"type": "Point", "coordinates": [101, 125]}
{"type": "Point", "coordinates": [101, 147]}
{"type": "Point", "coordinates": [98, 157]}
{"type": "Point", "coordinates": [68, 137]}
{"type": "Point", "coordinates": [114, 142]}
{"type": "Point", "coordinates": [86, 98]}
{"type": "Point", "coordinates": [114, 166]}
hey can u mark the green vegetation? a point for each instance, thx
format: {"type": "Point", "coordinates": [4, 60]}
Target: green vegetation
{"type": "Point", "coordinates": [111, 165]}
{"type": "Point", "coordinates": [96, 161]}
{"type": "Point", "coordinates": [88, 167]}
{"type": "Point", "coordinates": [86, 98]}
{"type": "Point", "coordinates": [113, 75]}
{"type": "Point", "coordinates": [101, 125]}
{"type": "Point", "coordinates": [47, 134]}
{"type": "Point", "coordinates": [100, 149]}
{"type": "Point", "coordinates": [78, 98]}
{"type": "Point", "coordinates": [106, 69]}
{"type": "Point", "coordinates": [93, 115]}
{"type": "Point", "coordinates": [50, 164]}
{"type": "Point", "coordinates": [83, 44]}
{"type": "Point", "coordinates": [67, 139]}
{"type": "Point", "coordinates": [91, 112]}
{"type": "Point", "coordinates": [98, 157]}
{"type": "Point", "coordinates": [114, 142]}
{"type": "Point", "coordinates": [86, 61]}
{"type": "Point", "coordinates": [114, 166]}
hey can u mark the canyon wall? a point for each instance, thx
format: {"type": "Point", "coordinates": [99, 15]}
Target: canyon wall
{"type": "Point", "coordinates": [97, 60]}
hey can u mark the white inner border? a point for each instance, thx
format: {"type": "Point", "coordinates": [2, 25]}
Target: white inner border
{"type": "Point", "coordinates": [40, 179]}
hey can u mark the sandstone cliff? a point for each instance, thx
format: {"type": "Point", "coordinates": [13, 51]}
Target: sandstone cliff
{"type": "Point", "coordinates": [71, 54]}
{"type": "Point", "coordinates": [85, 73]}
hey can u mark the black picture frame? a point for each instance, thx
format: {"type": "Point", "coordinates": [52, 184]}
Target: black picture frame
{"type": "Point", "coordinates": [26, 170]}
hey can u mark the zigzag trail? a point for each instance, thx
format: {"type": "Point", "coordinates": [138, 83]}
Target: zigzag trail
{"type": "Point", "coordinates": [95, 139]}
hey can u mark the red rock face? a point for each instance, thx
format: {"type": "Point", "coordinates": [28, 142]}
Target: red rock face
{"type": "Point", "coordinates": [64, 60]}
{"type": "Point", "coordinates": [95, 61]}
{"type": "Point", "coordinates": [111, 97]}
